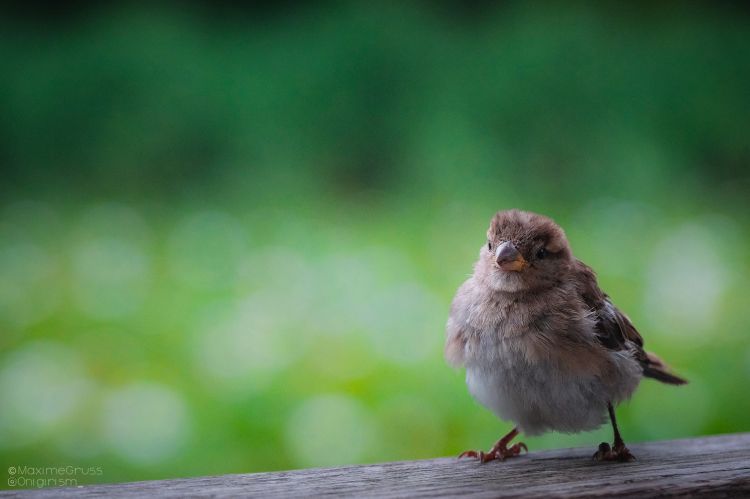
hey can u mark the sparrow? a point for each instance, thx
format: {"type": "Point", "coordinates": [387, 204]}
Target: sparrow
{"type": "Point", "coordinates": [542, 344]}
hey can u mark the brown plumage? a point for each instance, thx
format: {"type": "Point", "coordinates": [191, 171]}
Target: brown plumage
{"type": "Point", "coordinates": [542, 344]}
{"type": "Point", "coordinates": [614, 329]}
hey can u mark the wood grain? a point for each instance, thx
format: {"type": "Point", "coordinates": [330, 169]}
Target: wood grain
{"type": "Point", "coordinates": [714, 466]}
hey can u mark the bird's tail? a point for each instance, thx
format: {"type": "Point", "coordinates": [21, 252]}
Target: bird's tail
{"type": "Point", "coordinates": [658, 370]}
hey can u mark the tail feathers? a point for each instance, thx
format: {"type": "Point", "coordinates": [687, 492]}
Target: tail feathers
{"type": "Point", "coordinates": [658, 370]}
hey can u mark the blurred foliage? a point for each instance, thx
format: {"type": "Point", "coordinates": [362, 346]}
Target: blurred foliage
{"type": "Point", "coordinates": [229, 237]}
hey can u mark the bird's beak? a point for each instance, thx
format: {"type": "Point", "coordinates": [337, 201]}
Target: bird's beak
{"type": "Point", "coordinates": [508, 257]}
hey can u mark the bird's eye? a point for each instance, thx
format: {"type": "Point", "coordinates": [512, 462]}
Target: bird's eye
{"type": "Point", "coordinates": [489, 245]}
{"type": "Point", "coordinates": [541, 253]}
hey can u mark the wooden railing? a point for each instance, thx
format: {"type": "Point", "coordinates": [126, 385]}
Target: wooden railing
{"type": "Point", "coordinates": [713, 467]}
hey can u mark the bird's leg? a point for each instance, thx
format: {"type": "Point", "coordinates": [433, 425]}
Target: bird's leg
{"type": "Point", "coordinates": [500, 450]}
{"type": "Point", "coordinates": [618, 451]}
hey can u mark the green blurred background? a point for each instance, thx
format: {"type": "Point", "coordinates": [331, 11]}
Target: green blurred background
{"type": "Point", "coordinates": [229, 237]}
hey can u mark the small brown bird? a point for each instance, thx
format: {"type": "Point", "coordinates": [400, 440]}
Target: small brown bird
{"type": "Point", "coordinates": [543, 346]}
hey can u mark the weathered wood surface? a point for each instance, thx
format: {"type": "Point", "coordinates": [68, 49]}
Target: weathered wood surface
{"type": "Point", "coordinates": [714, 466]}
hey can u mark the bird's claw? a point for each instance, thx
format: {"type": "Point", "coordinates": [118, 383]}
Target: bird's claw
{"type": "Point", "coordinates": [617, 453]}
{"type": "Point", "coordinates": [499, 453]}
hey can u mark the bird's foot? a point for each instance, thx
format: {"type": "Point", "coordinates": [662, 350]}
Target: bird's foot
{"type": "Point", "coordinates": [499, 452]}
{"type": "Point", "coordinates": [617, 453]}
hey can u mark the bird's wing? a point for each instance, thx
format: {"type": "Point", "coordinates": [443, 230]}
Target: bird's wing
{"type": "Point", "coordinates": [615, 331]}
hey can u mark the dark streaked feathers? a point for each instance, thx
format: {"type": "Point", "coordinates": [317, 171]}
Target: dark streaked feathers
{"type": "Point", "coordinates": [615, 331]}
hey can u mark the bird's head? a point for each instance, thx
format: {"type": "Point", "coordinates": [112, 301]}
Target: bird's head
{"type": "Point", "coordinates": [524, 251]}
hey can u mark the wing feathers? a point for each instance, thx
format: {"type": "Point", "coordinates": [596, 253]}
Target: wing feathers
{"type": "Point", "coordinates": [615, 331]}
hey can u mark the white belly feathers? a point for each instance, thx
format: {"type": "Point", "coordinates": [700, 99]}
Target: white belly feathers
{"type": "Point", "coordinates": [540, 397]}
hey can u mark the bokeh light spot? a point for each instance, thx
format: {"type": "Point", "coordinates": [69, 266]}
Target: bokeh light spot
{"type": "Point", "coordinates": [145, 423]}
{"type": "Point", "coordinates": [401, 323]}
{"type": "Point", "coordinates": [242, 344]}
{"type": "Point", "coordinates": [110, 259]}
{"type": "Point", "coordinates": [686, 280]}
{"type": "Point", "coordinates": [27, 290]}
{"type": "Point", "coordinates": [110, 277]}
{"type": "Point", "coordinates": [330, 430]}
{"type": "Point", "coordinates": [206, 250]}
{"type": "Point", "coordinates": [41, 385]}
